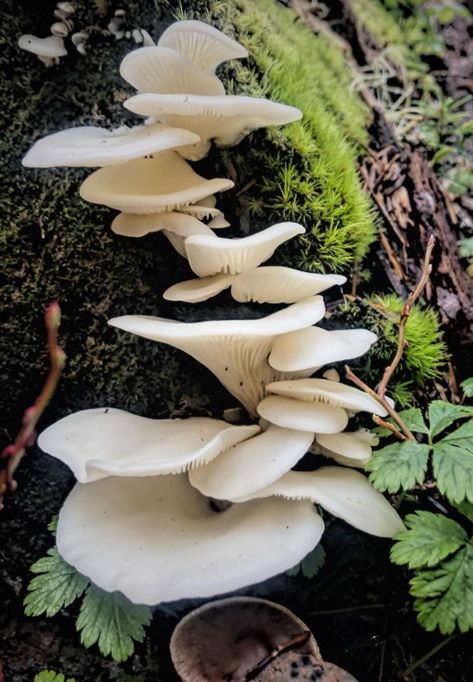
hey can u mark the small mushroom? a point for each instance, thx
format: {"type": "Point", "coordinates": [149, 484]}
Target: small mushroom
{"type": "Point", "coordinates": [348, 448]}
{"type": "Point", "coordinates": [302, 416]}
{"type": "Point", "coordinates": [49, 49]}
{"type": "Point", "coordinates": [60, 29]}
{"type": "Point", "coordinates": [79, 40]}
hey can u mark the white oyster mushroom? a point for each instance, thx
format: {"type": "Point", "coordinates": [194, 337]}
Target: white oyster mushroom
{"type": "Point", "coordinates": [152, 185]}
{"type": "Point", "coordinates": [314, 347]}
{"type": "Point", "coordinates": [203, 45]}
{"type": "Point", "coordinates": [347, 448]}
{"type": "Point", "coordinates": [302, 416]}
{"type": "Point", "coordinates": [161, 70]}
{"type": "Point", "coordinates": [48, 49]}
{"type": "Point", "coordinates": [344, 493]}
{"type": "Point", "coordinates": [139, 225]}
{"type": "Point", "coordinates": [203, 209]}
{"type": "Point", "coordinates": [219, 222]}
{"type": "Point", "coordinates": [103, 442]}
{"type": "Point", "coordinates": [198, 290]}
{"type": "Point", "coordinates": [212, 255]}
{"type": "Point", "coordinates": [251, 465]}
{"type": "Point", "coordinates": [224, 119]}
{"type": "Point", "coordinates": [235, 351]}
{"type": "Point", "coordinates": [160, 540]}
{"type": "Point", "coordinates": [328, 393]}
{"type": "Point", "coordinates": [93, 146]}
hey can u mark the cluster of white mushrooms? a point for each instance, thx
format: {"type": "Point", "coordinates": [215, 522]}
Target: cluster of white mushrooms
{"type": "Point", "coordinates": [141, 518]}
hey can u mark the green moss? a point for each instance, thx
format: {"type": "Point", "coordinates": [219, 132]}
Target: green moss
{"type": "Point", "coordinates": [306, 171]}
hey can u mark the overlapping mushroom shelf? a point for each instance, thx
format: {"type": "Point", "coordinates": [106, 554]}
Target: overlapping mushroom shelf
{"type": "Point", "coordinates": [145, 486]}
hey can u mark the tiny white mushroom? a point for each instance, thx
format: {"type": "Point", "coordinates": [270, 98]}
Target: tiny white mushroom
{"type": "Point", "coordinates": [103, 442]}
{"type": "Point", "coordinates": [60, 29]}
{"type": "Point", "coordinates": [347, 448]}
{"type": "Point", "coordinates": [203, 45]}
{"type": "Point", "coordinates": [251, 465]}
{"type": "Point", "coordinates": [51, 47]}
{"type": "Point", "coordinates": [344, 493]}
{"type": "Point", "coordinates": [79, 41]}
{"type": "Point", "coordinates": [302, 416]}
{"type": "Point", "coordinates": [212, 255]}
{"type": "Point", "coordinates": [93, 146]}
{"type": "Point", "coordinates": [160, 541]}
{"type": "Point", "coordinates": [152, 185]}
{"type": "Point", "coordinates": [161, 70]}
{"type": "Point", "coordinates": [314, 347]}
{"type": "Point", "coordinates": [235, 351]}
{"type": "Point", "coordinates": [225, 119]}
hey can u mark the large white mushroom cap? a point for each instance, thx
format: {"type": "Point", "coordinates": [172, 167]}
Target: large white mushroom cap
{"type": "Point", "coordinates": [93, 146]}
{"type": "Point", "coordinates": [152, 185]}
{"type": "Point", "coordinates": [160, 540]}
{"type": "Point", "coordinates": [314, 347]}
{"type": "Point", "coordinates": [344, 493]}
{"type": "Point", "coordinates": [203, 45]}
{"type": "Point", "coordinates": [234, 350]}
{"type": "Point", "coordinates": [225, 119]}
{"type": "Point", "coordinates": [103, 442]}
{"type": "Point", "coordinates": [161, 70]}
{"type": "Point", "coordinates": [212, 255]}
{"type": "Point", "coordinates": [51, 47]}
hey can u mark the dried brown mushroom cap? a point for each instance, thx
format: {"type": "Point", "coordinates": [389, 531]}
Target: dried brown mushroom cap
{"type": "Point", "coordinates": [231, 639]}
{"type": "Point", "coordinates": [153, 185]}
{"type": "Point", "coordinates": [161, 70]}
{"type": "Point", "coordinates": [203, 45]}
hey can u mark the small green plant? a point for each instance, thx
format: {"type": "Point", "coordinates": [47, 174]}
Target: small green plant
{"type": "Point", "coordinates": [107, 619]}
{"type": "Point", "coordinates": [310, 565]}
{"type": "Point", "coordinates": [51, 676]}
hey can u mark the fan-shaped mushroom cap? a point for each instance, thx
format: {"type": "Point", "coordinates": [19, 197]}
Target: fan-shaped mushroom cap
{"type": "Point", "coordinates": [219, 222]}
{"type": "Point", "coordinates": [92, 146]}
{"type": "Point", "coordinates": [302, 416]}
{"type": "Point", "coordinates": [234, 350]}
{"type": "Point", "coordinates": [205, 208]}
{"type": "Point", "coordinates": [203, 45]}
{"type": "Point", "coordinates": [344, 493]}
{"type": "Point", "coordinates": [138, 225]}
{"type": "Point", "coordinates": [228, 638]}
{"type": "Point", "coordinates": [152, 185]}
{"type": "Point", "coordinates": [252, 465]}
{"type": "Point", "coordinates": [266, 284]}
{"type": "Point", "coordinates": [51, 47]}
{"type": "Point", "coordinates": [212, 255]}
{"type": "Point", "coordinates": [160, 540]}
{"type": "Point", "coordinates": [104, 442]}
{"type": "Point", "coordinates": [314, 347]}
{"type": "Point", "coordinates": [329, 393]}
{"type": "Point", "coordinates": [350, 449]}
{"type": "Point", "coordinates": [225, 119]}
{"type": "Point", "coordinates": [161, 70]}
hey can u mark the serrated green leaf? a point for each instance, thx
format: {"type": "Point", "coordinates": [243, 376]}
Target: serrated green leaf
{"type": "Point", "coordinates": [310, 565]}
{"type": "Point", "coordinates": [412, 417]}
{"type": "Point", "coordinates": [51, 676]}
{"type": "Point", "coordinates": [466, 508]}
{"type": "Point", "coordinates": [400, 465]}
{"type": "Point", "coordinates": [445, 594]}
{"type": "Point", "coordinates": [52, 525]}
{"type": "Point", "coordinates": [443, 414]}
{"type": "Point", "coordinates": [467, 385]}
{"type": "Point", "coordinates": [57, 585]}
{"type": "Point", "coordinates": [429, 539]}
{"type": "Point", "coordinates": [453, 464]}
{"type": "Point", "coordinates": [111, 620]}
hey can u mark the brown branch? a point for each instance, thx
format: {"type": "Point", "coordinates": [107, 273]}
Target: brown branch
{"type": "Point", "coordinates": [14, 453]}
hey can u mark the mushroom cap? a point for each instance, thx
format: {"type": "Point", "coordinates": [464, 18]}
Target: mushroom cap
{"type": "Point", "coordinates": [161, 70]}
{"type": "Point", "coordinates": [103, 442]}
{"type": "Point", "coordinates": [152, 185]}
{"type": "Point", "coordinates": [160, 540]}
{"type": "Point", "coordinates": [226, 639]}
{"type": "Point", "coordinates": [265, 284]}
{"type": "Point", "coordinates": [52, 46]}
{"type": "Point", "coordinates": [252, 465]}
{"type": "Point", "coordinates": [344, 493]}
{"type": "Point", "coordinates": [203, 45]}
{"type": "Point", "coordinates": [212, 255]}
{"type": "Point", "coordinates": [93, 146]}
{"type": "Point", "coordinates": [314, 347]}
{"type": "Point", "coordinates": [329, 393]}
{"type": "Point", "coordinates": [234, 350]}
{"type": "Point", "coordinates": [349, 449]}
{"type": "Point", "coordinates": [204, 208]}
{"type": "Point", "coordinates": [138, 225]}
{"type": "Point", "coordinates": [302, 416]}
{"type": "Point", "coordinates": [225, 119]}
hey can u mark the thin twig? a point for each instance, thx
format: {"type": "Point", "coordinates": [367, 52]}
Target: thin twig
{"type": "Point", "coordinates": [348, 609]}
{"type": "Point", "coordinates": [387, 425]}
{"type": "Point", "coordinates": [14, 453]}
{"type": "Point", "coordinates": [425, 657]}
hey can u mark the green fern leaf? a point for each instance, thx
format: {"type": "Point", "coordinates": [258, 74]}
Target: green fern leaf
{"type": "Point", "coordinates": [443, 414]}
{"type": "Point", "coordinates": [445, 594]}
{"type": "Point", "coordinates": [51, 676]}
{"type": "Point", "coordinates": [430, 538]}
{"type": "Point", "coordinates": [412, 417]}
{"type": "Point", "coordinates": [112, 621]}
{"type": "Point", "coordinates": [466, 508]}
{"type": "Point", "coordinates": [400, 465]}
{"type": "Point", "coordinates": [467, 385]}
{"type": "Point", "coordinates": [453, 464]}
{"type": "Point", "coordinates": [57, 585]}
{"type": "Point", "coordinates": [310, 565]}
